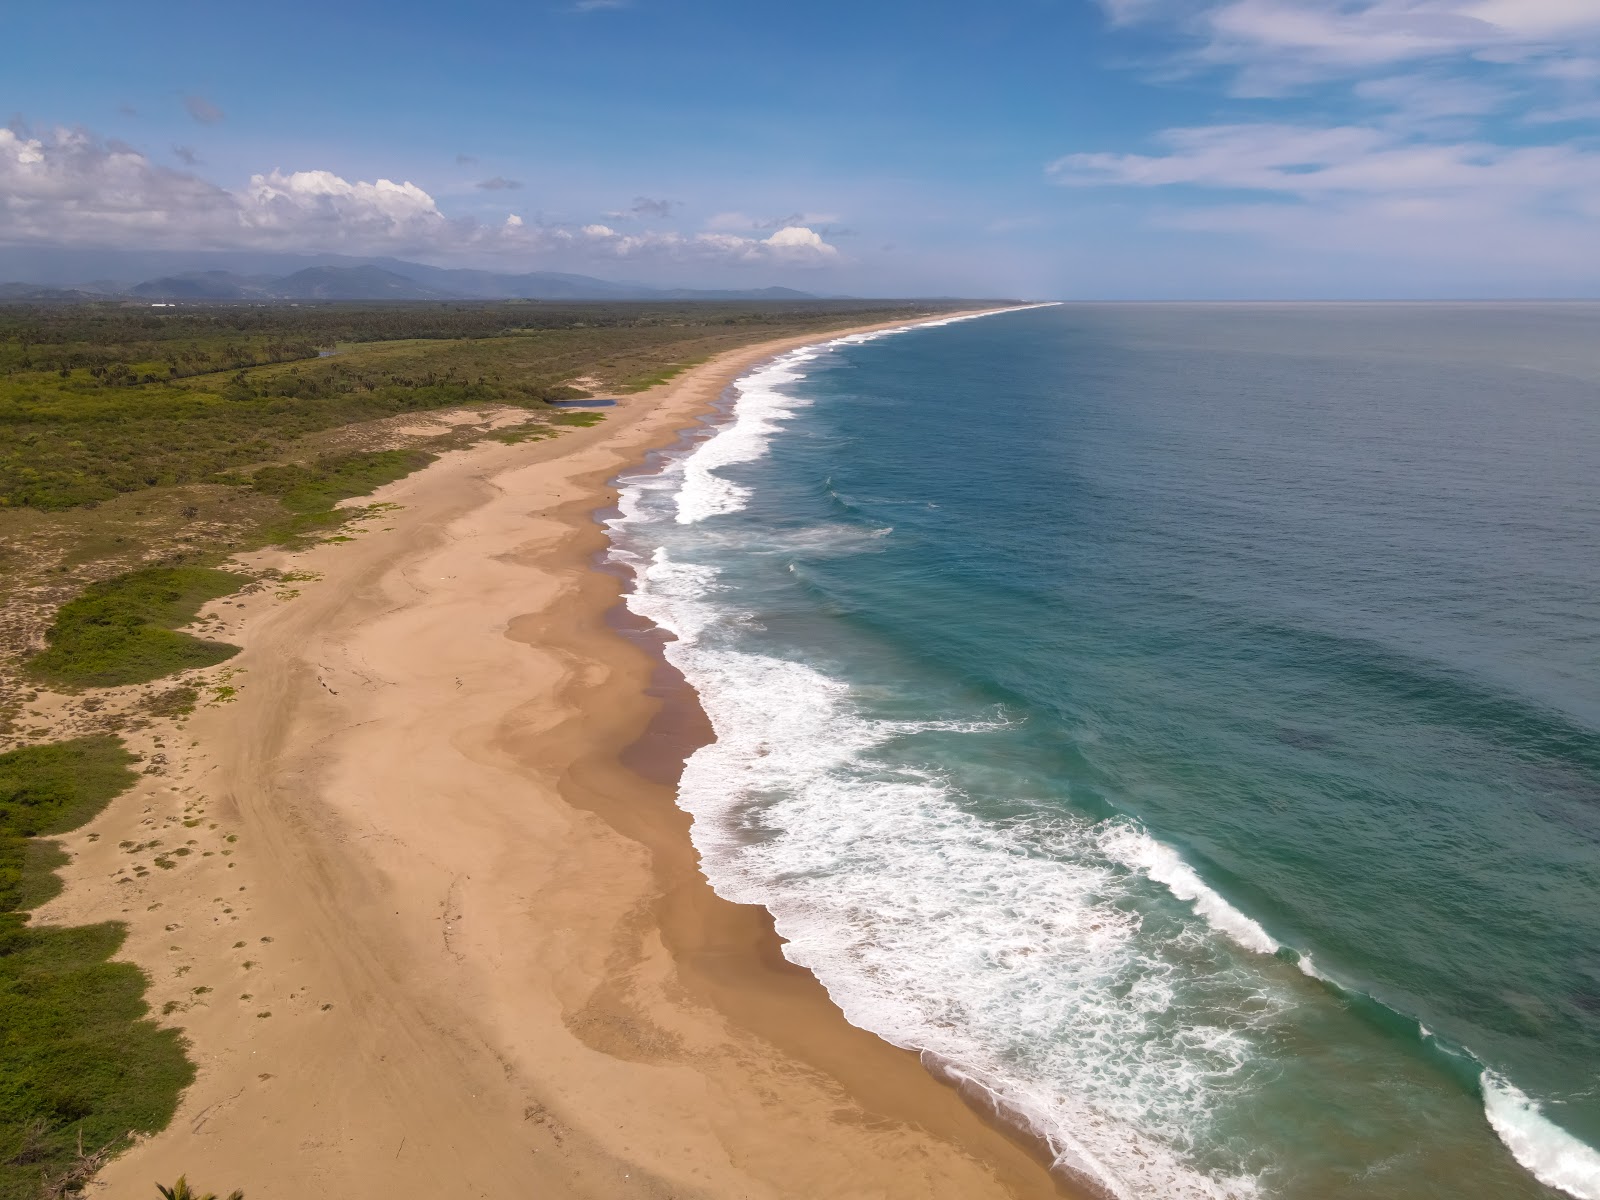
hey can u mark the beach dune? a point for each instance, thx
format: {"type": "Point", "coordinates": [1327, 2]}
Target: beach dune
{"type": "Point", "coordinates": [459, 943]}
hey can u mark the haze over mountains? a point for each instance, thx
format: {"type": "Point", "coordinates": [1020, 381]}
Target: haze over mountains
{"type": "Point", "coordinates": [45, 274]}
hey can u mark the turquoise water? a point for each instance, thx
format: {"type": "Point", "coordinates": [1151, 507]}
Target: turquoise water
{"type": "Point", "coordinates": [1180, 723]}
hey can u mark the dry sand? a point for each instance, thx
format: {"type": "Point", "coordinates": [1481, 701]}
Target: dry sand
{"type": "Point", "coordinates": [435, 936]}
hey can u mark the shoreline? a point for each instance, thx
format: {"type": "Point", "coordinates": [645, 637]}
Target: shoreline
{"type": "Point", "coordinates": [487, 958]}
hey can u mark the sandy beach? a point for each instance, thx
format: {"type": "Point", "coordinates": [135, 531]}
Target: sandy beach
{"type": "Point", "coordinates": [440, 928]}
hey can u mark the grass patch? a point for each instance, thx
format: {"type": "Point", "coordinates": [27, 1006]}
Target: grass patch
{"type": "Point", "coordinates": [581, 419]}
{"type": "Point", "coordinates": [310, 491]}
{"type": "Point", "coordinates": [655, 378]}
{"type": "Point", "coordinates": [524, 433]}
{"type": "Point", "coordinates": [39, 883]}
{"type": "Point", "coordinates": [122, 630]}
{"type": "Point", "coordinates": [318, 487]}
{"type": "Point", "coordinates": [79, 1058]}
{"type": "Point", "coordinates": [77, 1051]}
{"type": "Point", "coordinates": [46, 790]}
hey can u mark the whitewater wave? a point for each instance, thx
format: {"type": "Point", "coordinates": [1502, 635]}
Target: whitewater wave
{"type": "Point", "coordinates": [1131, 845]}
{"type": "Point", "coordinates": [762, 406]}
{"type": "Point", "coordinates": [1009, 955]}
{"type": "Point", "coordinates": [1552, 1155]}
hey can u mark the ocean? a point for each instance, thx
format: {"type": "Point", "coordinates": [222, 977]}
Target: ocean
{"type": "Point", "coordinates": [1178, 723]}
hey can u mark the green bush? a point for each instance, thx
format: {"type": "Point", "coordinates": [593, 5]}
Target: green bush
{"type": "Point", "coordinates": [122, 630]}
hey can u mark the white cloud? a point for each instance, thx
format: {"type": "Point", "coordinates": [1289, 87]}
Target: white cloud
{"type": "Point", "coordinates": [70, 188]}
{"type": "Point", "coordinates": [792, 245]}
{"type": "Point", "coordinates": [1374, 191]}
{"type": "Point", "coordinates": [1392, 154]}
{"type": "Point", "coordinates": [1306, 161]}
{"type": "Point", "coordinates": [1346, 32]}
{"type": "Point", "coordinates": [1419, 98]}
{"type": "Point", "coordinates": [1273, 47]}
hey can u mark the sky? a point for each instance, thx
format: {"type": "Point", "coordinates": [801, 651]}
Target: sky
{"type": "Point", "coordinates": [1074, 149]}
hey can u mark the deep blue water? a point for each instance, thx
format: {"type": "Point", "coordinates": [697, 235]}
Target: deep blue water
{"type": "Point", "coordinates": [1182, 722]}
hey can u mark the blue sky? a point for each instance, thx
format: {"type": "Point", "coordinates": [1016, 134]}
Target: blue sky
{"type": "Point", "coordinates": [1063, 148]}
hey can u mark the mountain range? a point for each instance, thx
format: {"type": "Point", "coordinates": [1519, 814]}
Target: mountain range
{"type": "Point", "coordinates": [69, 276]}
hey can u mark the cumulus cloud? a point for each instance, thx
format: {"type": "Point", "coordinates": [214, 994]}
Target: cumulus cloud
{"type": "Point", "coordinates": [791, 246]}
{"type": "Point", "coordinates": [202, 110]}
{"type": "Point", "coordinates": [67, 187]}
{"type": "Point", "coordinates": [499, 184]}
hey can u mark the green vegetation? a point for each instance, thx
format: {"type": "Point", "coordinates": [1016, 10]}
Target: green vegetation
{"type": "Point", "coordinates": [310, 491]}
{"type": "Point", "coordinates": [80, 1062]}
{"type": "Point", "coordinates": [107, 399]}
{"type": "Point", "coordinates": [46, 790]}
{"type": "Point", "coordinates": [328, 480]}
{"type": "Point", "coordinates": [182, 1191]}
{"type": "Point", "coordinates": [123, 630]}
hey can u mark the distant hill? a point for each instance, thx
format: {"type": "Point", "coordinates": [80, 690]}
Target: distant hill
{"type": "Point", "coordinates": [35, 293]}
{"type": "Point", "coordinates": [62, 277]}
{"type": "Point", "coordinates": [201, 285]}
{"type": "Point", "coordinates": [354, 283]}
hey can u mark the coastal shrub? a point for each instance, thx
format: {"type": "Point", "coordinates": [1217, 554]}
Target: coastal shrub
{"type": "Point", "coordinates": [122, 630]}
{"type": "Point", "coordinates": [81, 1063]}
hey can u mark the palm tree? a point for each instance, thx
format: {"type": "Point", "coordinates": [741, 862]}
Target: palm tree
{"type": "Point", "coordinates": [182, 1191]}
